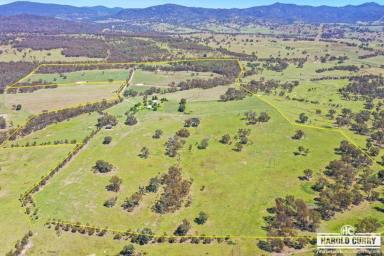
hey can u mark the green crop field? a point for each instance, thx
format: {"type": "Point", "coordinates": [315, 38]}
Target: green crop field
{"type": "Point", "coordinates": [80, 77]}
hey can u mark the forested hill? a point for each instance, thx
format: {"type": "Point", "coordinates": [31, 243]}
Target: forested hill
{"type": "Point", "coordinates": [182, 15]}
{"type": "Point", "coordinates": [280, 13]}
{"type": "Point", "coordinates": [56, 10]}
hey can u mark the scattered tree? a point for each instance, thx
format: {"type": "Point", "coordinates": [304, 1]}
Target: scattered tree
{"type": "Point", "coordinates": [144, 152]}
{"type": "Point", "coordinates": [157, 134]}
{"type": "Point", "coordinates": [115, 183]}
{"type": "Point", "coordinates": [110, 202]}
{"type": "Point", "coordinates": [103, 166]}
{"type": "Point", "coordinates": [192, 122]}
{"type": "Point", "coordinates": [182, 105]}
{"type": "Point", "coordinates": [203, 144]}
{"type": "Point", "coordinates": [184, 133]}
{"type": "Point", "coordinates": [128, 250]}
{"type": "Point", "coordinates": [225, 139]}
{"type": "Point", "coordinates": [298, 135]}
{"type": "Point", "coordinates": [201, 218]}
{"type": "Point", "coordinates": [303, 118]}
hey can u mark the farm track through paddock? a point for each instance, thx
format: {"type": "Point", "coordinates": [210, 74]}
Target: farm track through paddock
{"type": "Point", "coordinates": [78, 149]}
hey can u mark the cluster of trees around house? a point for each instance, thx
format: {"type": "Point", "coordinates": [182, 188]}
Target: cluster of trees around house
{"type": "Point", "coordinates": [141, 236]}
{"type": "Point", "coordinates": [175, 190]}
{"type": "Point", "coordinates": [11, 72]}
{"type": "Point", "coordinates": [43, 120]}
{"type": "Point", "coordinates": [351, 68]}
{"type": "Point", "coordinates": [369, 86]}
{"type": "Point", "coordinates": [344, 183]}
{"type": "Point", "coordinates": [72, 46]}
{"type": "Point", "coordinates": [20, 245]}
{"type": "Point", "coordinates": [270, 85]}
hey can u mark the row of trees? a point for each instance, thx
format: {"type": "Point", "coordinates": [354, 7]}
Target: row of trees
{"type": "Point", "coordinates": [43, 120]}
{"type": "Point", "coordinates": [269, 86]}
{"type": "Point", "coordinates": [20, 245]}
{"type": "Point", "coordinates": [351, 68]}
{"type": "Point", "coordinates": [26, 198]}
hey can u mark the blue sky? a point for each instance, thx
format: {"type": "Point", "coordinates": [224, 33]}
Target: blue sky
{"type": "Point", "coordinates": [200, 3]}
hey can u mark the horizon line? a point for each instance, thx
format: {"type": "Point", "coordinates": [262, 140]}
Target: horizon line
{"type": "Point", "coordinates": [194, 6]}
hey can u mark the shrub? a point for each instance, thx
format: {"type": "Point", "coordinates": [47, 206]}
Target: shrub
{"type": "Point", "coordinates": [107, 140]}
{"type": "Point", "coordinates": [183, 228]}
{"type": "Point", "coordinates": [128, 250]}
{"type": "Point", "coordinates": [184, 133]}
{"type": "Point", "coordinates": [226, 139]}
{"type": "Point", "coordinates": [298, 135]}
{"type": "Point", "coordinates": [110, 202]}
{"type": "Point", "coordinates": [203, 144]}
{"type": "Point", "coordinates": [131, 120]}
{"type": "Point", "coordinates": [201, 218]}
{"type": "Point", "coordinates": [192, 122]}
{"type": "Point", "coordinates": [157, 134]}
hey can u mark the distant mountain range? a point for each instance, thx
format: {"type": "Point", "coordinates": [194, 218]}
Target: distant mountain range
{"type": "Point", "coordinates": [279, 13]}
{"type": "Point", "coordinates": [173, 14]}
{"type": "Point", "coordinates": [57, 10]}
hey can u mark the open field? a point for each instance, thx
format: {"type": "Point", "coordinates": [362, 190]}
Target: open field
{"type": "Point", "coordinates": [213, 168]}
{"type": "Point", "coordinates": [236, 183]}
{"type": "Point", "coordinates": [61, 97]}
{"type": "Point", "coordinates": [20, 168]}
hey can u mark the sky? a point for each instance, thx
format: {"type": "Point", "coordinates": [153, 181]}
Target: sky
{"type": "Point", "coordinates": [199, 3]}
